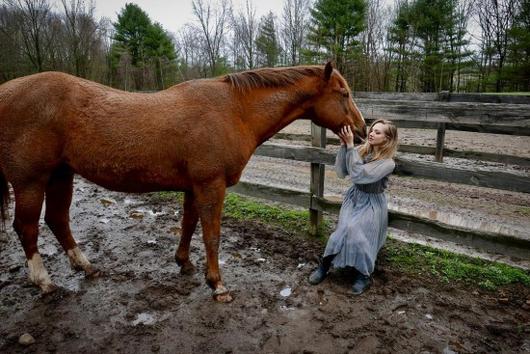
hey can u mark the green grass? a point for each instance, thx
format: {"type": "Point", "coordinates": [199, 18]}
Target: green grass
{"type": "Point", "coordinates": [409, 258]}
{"type": "Point", "coordinates": [293, 221]}
{"type": "Point", "coordinates": [447, 266]}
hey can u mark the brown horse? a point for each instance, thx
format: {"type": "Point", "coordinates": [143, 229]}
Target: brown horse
{"type": "Point", "coordinates": [194, 137]}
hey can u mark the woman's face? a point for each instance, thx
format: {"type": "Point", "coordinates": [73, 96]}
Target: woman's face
{"type": "Point", "coordinates": [377, 135]}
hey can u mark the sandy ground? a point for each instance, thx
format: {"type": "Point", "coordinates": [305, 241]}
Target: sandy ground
{"type": "Point", "coordinates": [142, 304]}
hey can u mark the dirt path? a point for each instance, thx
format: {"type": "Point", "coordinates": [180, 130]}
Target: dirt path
{"type": "Point", "coordinates": [143, 305]}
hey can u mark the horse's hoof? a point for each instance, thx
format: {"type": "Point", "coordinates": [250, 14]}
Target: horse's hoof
{"type": "Point", "coordinates": [93, 273]}
{"type": "Point", "coordinates": [223, 298]}
{"type": "Point", "coordinates": [221, 294]}
{"type": "Point", "coordinates": [187, 269]}
{"type": "Point", "coordinates": [48, 288]}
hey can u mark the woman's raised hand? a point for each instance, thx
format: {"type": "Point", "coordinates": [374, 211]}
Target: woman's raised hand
{"type": "Point", "coordinates": [346, 136]}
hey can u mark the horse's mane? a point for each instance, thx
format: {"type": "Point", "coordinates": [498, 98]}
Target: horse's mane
{"type": "Point", "coordinates": [271, 77]}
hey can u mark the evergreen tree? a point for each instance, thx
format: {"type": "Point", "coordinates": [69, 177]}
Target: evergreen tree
{"type": "Point", "coordinates": [267, 41]}
{"type": "Point", "coordinates": [132, 29]}
{"type": "Point", "coordinates": [335, 25]}
{"type": "Point", "coordinates": [399, 38]}
{"type": "Point", "coordinates": [144, 44]}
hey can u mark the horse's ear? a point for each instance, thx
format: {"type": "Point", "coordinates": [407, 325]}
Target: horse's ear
{"type": "Point", "coordinates": [328, 70]}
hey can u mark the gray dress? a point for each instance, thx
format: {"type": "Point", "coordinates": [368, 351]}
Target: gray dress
{"type": "Point", "coordinates": [363, 219]}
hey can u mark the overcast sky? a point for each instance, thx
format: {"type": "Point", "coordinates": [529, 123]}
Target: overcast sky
{"type": "Point", "coordinates": [172, 14]}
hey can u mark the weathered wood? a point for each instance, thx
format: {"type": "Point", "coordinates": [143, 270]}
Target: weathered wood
{"type": "Point", "coordinates": [298, 153]}
{"type": "Point", "coordinates": [470, 176]}
{"type": "Point", "coordinates": [491, 118]}
{"type": "Point", "coordinates": [442, 96]}
{"type": "Point", "coordinates": [316, 187]}
{"type": "Point", "coordinates": [407, 96]}
{"type": "Point", "coordinates": [407, 167]}
{"type": "Point", "coordinates": [440, 142]}
{"type": "Point", "coordinates": [418, 149]}
{"type": "Point", "coordinates": [490, 241]}
{"type": "Point", "coordinates": [282, 195]}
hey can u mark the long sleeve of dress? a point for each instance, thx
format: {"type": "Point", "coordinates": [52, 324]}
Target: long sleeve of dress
{"type": "Point", "coordinates": [340, 162]}
{"type": "Point", "coordinates": [349, 162]}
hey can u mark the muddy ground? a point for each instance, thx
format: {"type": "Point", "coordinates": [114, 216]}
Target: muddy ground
{"type": "Point", "coordinates": [142, 304]}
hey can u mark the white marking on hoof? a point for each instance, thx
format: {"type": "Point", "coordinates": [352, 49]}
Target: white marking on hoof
{"type": "Point", "coordinates": [38, 274]}
{"type": "Point", "coordinates": [78, 261]}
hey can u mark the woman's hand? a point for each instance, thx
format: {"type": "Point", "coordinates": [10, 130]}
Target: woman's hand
{"type": "Point", "coordinates": [346, 136]}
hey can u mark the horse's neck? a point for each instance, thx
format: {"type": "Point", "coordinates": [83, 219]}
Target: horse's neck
{"type": "Point", "coordinates": [270, 112]}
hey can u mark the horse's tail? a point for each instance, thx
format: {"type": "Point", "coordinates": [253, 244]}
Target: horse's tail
{"type": "Point", "coordinates": [4, 200]}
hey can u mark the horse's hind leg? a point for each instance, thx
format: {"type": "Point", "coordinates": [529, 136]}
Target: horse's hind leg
{"type": "Point", "coordinates": [209, 202]}
{"type": "Point", "coordinates": [57, 216]}
{"type": "Point", "coordinates": [28, 205]}
{"type": "Point", "coordinates": [189, 223]}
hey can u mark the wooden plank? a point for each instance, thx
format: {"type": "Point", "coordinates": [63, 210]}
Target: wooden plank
{"type": "Point", "coordinates": [407, 167]}
{"type": "Point", "coordinates": [470, 176]}
{"type": "Point", "coordinates": [440, 141]}
{"type": "Point", "coordinates": [497, 118]}
{"type": "Point", "coordinates": [316, 186]}
{"type": "Point", "coordinates": [445, 96]}
{"type": "Point", "coordinates": [490, 241]}
{"type": "Point", "coordinates": [297, 153]}
{"type": "Point", "coordinates": [408, 96]}
{"type": "Point", "coordinates": [427, 150]}
{"type": "Point", "coordinates": [282, 195]}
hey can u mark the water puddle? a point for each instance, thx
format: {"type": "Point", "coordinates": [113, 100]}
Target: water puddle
{"type": "Point", "coordinates": [144, 318]}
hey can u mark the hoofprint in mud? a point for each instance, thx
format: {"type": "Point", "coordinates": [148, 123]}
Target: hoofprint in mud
{"type": "Point", "coordinates": [142, 304]}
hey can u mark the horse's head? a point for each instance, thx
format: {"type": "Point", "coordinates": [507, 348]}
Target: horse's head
{"type": "Point", "coordinates": [334, 106]}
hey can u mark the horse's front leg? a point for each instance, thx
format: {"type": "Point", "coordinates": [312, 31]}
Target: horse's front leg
{"type": "Point", "coordinates": [209, 201]}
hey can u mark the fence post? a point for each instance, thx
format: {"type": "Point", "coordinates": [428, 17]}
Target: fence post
{"type": "Point", "coordinates": [440, 138]}
{"type": "Point", "coordinates": [316, 188]}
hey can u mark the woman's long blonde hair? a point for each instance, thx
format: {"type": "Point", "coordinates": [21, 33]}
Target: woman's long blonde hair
{"type": "Point", "coordinates": [388, 149]}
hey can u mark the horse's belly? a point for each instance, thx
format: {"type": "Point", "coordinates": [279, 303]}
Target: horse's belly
{"type": "Point", "coordinates": [135, 182]}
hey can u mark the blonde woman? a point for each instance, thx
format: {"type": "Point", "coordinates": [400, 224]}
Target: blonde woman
{"type": "Point", "coordinates": [363, 219]}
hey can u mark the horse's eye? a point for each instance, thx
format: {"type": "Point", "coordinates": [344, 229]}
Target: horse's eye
{"type": "Point", "coordinates": [344, 93]}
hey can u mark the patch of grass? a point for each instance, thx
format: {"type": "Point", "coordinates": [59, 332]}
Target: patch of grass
{"type": "Point", "coordinates": [174, 196]}
{"type": "Point", "coordinates": [447, 266]}
{"type": "Point", "coordinates": [293, 221]}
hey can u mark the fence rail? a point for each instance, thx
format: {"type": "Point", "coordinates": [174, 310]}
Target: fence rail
{"type": "Point", "coordinates": [408, 167]}
{"type": "Point", "coordinates": [428, 150]}
{"type": "Point", "coordinates": [490, 241]}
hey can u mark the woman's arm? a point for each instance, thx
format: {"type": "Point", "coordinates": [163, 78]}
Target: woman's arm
{"type": "Point", "coordinates": [367, 173]}
{"type": "Point", "coordinates": [340, 162]}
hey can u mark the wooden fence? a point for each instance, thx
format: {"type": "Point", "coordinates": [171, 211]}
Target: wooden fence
{"type": "Point", "coordinates": [427, 111]}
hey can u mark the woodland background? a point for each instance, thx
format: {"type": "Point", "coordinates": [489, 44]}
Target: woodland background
{"type": "Point", "coordinates": [407, 45]}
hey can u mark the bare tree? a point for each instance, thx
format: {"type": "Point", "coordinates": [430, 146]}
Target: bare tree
{"type": "Point", "coordinates": [82, 34]}
{"type": "Point", "coordinates": [192, 50]}
{"type": "Point", "coordinates": [372, 71]}
{"type": "Point", "coordinates": [496, 18]}
{"type": "Point", "coordinates": [33, 18]}
{"type": "Point", "coordinates": [245, 27]}
{"type": "Point", "coordinates": [213, 22]}
{"type": "Point", "coordinates": [294, 24]}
